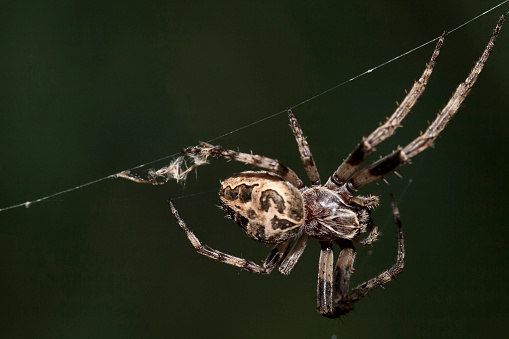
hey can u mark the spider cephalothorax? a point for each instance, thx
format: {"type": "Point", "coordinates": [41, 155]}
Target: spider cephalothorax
{"type": "Point", "coordinates": [329, 217]}
{"type": "Point", "coordinates": [275, 207]}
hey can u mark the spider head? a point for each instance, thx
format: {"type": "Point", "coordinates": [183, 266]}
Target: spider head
{"type": "Point", "coordinates": [269, 209]}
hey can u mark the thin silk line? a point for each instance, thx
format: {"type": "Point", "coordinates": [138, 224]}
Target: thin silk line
{"type": "Point", "coordinates": [113, 176]}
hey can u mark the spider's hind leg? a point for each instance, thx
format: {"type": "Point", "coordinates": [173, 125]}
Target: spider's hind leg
{"type": "Point", "coordinates": [273, 165]}
{"type": "Point", "coordinates": [271, 261]}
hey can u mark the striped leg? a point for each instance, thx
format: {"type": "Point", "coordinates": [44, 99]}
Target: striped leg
{"type": "Point", "coordinates": [333, 283]}
{"type": "Point", "coordinates": [270, 262]}
{"type": "Point", "coordinates": [334, 299]}
{"type": "Point", "coordinates": [342, 274]}
{"type": "Point", "coordinates": [389, 163]}
{"type": "Point", "coordinates": [305, 152]}
{"type": "Point", "coordinates": [367, 145]}
{"type": "Point", "coordinates": [257, 160]}
{"type": "Point", "coordinates": [345, 302]}
{"type": "Point", "coordinates": [324, 303]}
{"type": "Point", "coordinates": [293, 256]}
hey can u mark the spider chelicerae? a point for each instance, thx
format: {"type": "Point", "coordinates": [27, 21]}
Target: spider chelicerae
{"type": "Point", "coordinates": [275, 207]}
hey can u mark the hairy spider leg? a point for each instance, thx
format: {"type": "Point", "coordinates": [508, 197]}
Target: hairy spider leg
{"type": "Point", "coordinates": [400, 157]}
{"type": "Point", "coordinates": [305, 152]}
{"type": "Point", "coordinates": [325, 280]}
{"type": "Point", "coordinates": [343, 273]}
{"type": "Point", "coordinates": [387, 275]}
{"type": "Point", "coordinates": [270, 262]}
{"type": "Point", "coordinates": [273, 165]}
{"type": "Point", "coordinates": [291, 258]}
{"type": "Point", "coordinates": [334, 299]}
{"type": "Point", "coordinates": [384, 131]}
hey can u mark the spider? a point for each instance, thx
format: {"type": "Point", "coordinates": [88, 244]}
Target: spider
{"type": "Point", "coordinates": [275, 207]}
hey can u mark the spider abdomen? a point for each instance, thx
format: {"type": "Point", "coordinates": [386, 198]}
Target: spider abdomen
{"type": "Point", "coordinates": [268, 208]}
{"type": "Point", "coordinates": [328, 217]}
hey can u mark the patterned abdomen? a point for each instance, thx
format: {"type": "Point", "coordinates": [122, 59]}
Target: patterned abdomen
{"type": "Point", "coordinates": [268, 208]}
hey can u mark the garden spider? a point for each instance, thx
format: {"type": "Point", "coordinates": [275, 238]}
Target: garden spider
{"type": "Point", "coordinates": [274, 206]}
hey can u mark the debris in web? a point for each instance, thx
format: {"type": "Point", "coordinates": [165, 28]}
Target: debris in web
{"type": "Point", "coordinates": [177, 170]}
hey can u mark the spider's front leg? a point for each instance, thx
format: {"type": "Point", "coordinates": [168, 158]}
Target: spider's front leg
{"type": "Point", "coordinates": [270, 262]}
{"type": "Point", "coordinates": [384, 131]}
{"type": "Point", "coordinates": [402, 156]}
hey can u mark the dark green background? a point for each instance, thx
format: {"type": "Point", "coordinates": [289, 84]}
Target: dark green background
{"type": "Point", "coordinates": [90, 88]}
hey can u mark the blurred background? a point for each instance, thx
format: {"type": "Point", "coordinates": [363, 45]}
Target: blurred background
{"type": "Point", "coordinates": [92, 88]}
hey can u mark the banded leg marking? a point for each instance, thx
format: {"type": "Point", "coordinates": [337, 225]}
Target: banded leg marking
{"type": "Point", "coordinates": [273, 165]}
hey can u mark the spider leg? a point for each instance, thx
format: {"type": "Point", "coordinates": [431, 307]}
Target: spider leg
{"type": "Point", "coordinates": [342, 275]}
{"type": "Point", "coordinates": [334, 299]}
{"type": "Point", "coordinates": [273, 165]}
{"type": "Point", "coordinates": [270, 262]}
{"type": "Point", "coordinates": [333, 283]}
{"type": "Point", "coordinates": [324, 304]}
{"type": "Point", "coordinates": [345, 301]}
{"type": "Point", "coordinates": [305, 152]}
{"type": "Point", "coordinates": [275, 255]}
{"type": "Point", "coordinates": [402, 156]}
{"type": "Point", "coordinates": [293, 256]}
{"type": "Point", "coordinates": [384, 131]}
